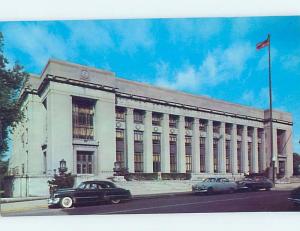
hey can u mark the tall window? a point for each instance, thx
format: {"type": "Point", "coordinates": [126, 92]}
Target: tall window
{"type": "Point", "coordinates": [188, 153]}
{"type": "Point", "coordinates": [280, 141]}
{"type": "Point", "coordinates": [216, 127]}
{"type": "Point", "coordinates": [202, 125]}
{"type": "Point", "coordinates": [138, 117]}
{"type": "Point", "coordinates": [120, 147]}
{"type": "Point", "coordinates": [156, 118]}
{"type": "Point", "coordinates": [259, 149]}
{"type": "Point", "coordinates": [120, 114]}
{"type": "Point", "coordinates": [227, 155]}
{"type": "Point", "coordinates": [202, 154]}
{"type": "Point", "coordinates": [239, 156]}
{"type": "Point", "coordinates": [173, 153]}
{"type": "Point", "coordinates": [85, 162]}
{"type": "Point", "coordinates": [83, 119]}
{"type": "Point", "coordinates": [249, 156]}
{"type": "Point", "coordinates": [156, 152]}
{"type": "Point", "coordinates": [173, 121]}
{"type": "Point", "coordinates": [188, 123]}
{"type": "Point", "coordinates": [228, 129]}
{"type": "Point", "coordinates": [138, 151]}
{"type": "Point", "coordinates": [216, 158]}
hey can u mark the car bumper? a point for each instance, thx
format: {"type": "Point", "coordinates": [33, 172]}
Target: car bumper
{"type": "Point", "coordinates": [53, 201]}
{"type": "Point", "coordinates": [199, 190]}
{"type": "Point", "coordinates": [295, 200]}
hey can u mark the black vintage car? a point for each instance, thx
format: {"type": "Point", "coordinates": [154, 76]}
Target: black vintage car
{"type": "Point", "coordinates": [295, 196]}
{"type": "Point", "coordinates": [254, 183]}
{"type": "Point", "coordinates": [88, 192]}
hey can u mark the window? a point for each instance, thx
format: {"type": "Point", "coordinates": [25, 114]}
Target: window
{"type": "Point", "coordinates": [120, 114]}
{"type": "Point", "coordinates": [138, 117]}
{"type": "Point", "coordinates": [188, 153]}
{"type": "Point", "coordinates": [202, 125]}
{"type": "Point", "coordinates": [216, 159]}
{"type": "Point", "coordinates": [173, 121]}
{"type": "Point", "coordinates": [239, 130]}
{"type": "Point", "coordinates": [138, 151]}
{"type": "Point", "coordinates": [173, 153]}
{"type": "Point", "coordinates": [85, 162]}
{"type": "Point", "coordinates": [202, 154]}
{"type": "Point", "coordinates": [188, 123]}
{"type": "Point", "coordinates": [156, 118]}
{"type": "Point", "coordinates": [239, 156]}
{"type": "Point", "coordinates": [83, 119]}
{"type": "Point", "coordinates": [228, 129]}
{"type": "Point", "coordinates": [280, 141]}
{"type": "Point", "coordinates": [216, 127]}
{"type": "Point", "coordinates": [156, 152]}
{"type": "Point", "coordinates": [250, 132]}
{"type": "Point", "coordinates": [227, 155]}
{"type": "Point", "coordinates": [120, 148]}
{"type": "Point", "coordinates": [259, 149]}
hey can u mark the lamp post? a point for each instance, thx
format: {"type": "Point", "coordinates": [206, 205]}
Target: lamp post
{"type": "Point", "coordinates": [62, 167]}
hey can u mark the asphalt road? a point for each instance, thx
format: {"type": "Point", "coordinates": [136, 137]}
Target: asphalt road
{"type": "Point", "coordinates": [261, 201]}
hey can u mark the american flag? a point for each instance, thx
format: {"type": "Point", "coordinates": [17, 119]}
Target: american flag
{"type": "Point", "coordinates": [263, 44]}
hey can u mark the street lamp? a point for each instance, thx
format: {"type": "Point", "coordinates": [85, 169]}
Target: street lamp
{"type": "Point", "coordinates": [62, 167]}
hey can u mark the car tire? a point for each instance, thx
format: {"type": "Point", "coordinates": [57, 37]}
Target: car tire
{"type": "Point", "coordinates": [210, 190]}
{"type": "Point", "coordinates": [66, 202]}
{"type": "Point", "coordinates": [115, 201]}
{"type": "Point", "coordinates": [231, 190]}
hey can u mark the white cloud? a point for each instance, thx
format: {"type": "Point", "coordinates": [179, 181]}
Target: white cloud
{"type": "Point", "coordinates": [36, 41]}
{"type": "Point", "coordinates": [133, 35]}
{"type": "Point", "coordinates": [217, 67]}
{"type": "Point", "coordinates": [290, 62]}
{"type": "Point", "coordinates": [189, 29]}
{"type": "Point", "coordinates": [89, 34]}
{"type": "Point", "coordinates": [258, 98]}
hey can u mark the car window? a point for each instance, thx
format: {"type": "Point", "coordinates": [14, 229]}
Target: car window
{"type": "Point", "coordinates": [224, 180]}
{"type": "Point", "coordinates": [107, 185]}
{"type": "Point", "coordinates": [82, 185]}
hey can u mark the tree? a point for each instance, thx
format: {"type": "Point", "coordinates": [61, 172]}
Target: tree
{"type": "Point", "coordinates": [296, 163]}
{"type": "Point", "coordinates": [12, 80]}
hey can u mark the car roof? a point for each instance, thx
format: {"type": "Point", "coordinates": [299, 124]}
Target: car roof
{"type": "Point", "coordinates": [97, 181]}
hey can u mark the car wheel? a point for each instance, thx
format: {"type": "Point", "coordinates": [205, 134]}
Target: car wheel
{"type": "Point", "coordinates": [66, 202]}
{"type": "Point", "coordinates": [231, 190]}
{"type": "Point", "coordinates": [115, 201]}
{"type": "Point", "coordinates": [210, 190]}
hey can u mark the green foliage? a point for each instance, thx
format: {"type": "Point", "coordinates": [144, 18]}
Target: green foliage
{"type": "Point", "coordinates": [62, 181]}
{"type": "Point", "coordinates": [12, 80]}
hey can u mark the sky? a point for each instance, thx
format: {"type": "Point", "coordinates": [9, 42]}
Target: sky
{"type": "Point", "coordinates": [215, 57]}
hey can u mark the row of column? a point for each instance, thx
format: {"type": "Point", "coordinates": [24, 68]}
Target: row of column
{"type": "Point", "coordinates": [209, 159]}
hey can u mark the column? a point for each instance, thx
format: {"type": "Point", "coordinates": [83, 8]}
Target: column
{"type": "Point", "coordinates": [209, 150]}
{"type": "Point", "coordinates": [289, 152]}
{"type": "Point", "coordinates": [129, 140]}
{"type": "Point", "coordinates": [222, 149]}
{"type": "Point", "coordinates": [181, 146]}
{"type": "Point", "coordinates": [263, 163]}
{"type": "Point", "coordinates": [245, 167]}
{"type": "Point", "coordinates": [196, 147]}
{"type": "Point", "coordinates": [254, 152]}
{"type": "Point", "coordinates": [148, 146]}
{"type": "Point", "coordinates": [105, 129]}
{"type": "Point", "coordinates": [165, 145]}
{"type": "Point", "coordinates": [233, 150]}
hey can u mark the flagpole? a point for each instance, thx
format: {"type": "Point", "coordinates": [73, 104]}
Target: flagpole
{"type": "Point", "coordinates": [271, 113]}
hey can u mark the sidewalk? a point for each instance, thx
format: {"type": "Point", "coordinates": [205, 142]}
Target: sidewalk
{"type": "Point", "coordinates": [30, 203]}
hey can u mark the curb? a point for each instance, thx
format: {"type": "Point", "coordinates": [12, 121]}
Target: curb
{"type": "Point", "coordinates": [13, 200]}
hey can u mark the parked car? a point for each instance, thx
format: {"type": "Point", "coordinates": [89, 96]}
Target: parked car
{"type": "Point", "coordinates": [89, 192]}
{"type": "Point", "coordinates": [295, 196]}
{"type": "Point", "coordinates": [214, 184]}
{"type": "Point", "coordinates": [254, 183]}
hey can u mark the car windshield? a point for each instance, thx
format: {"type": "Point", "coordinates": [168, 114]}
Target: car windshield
{"type": "Point", "coordinates": [210, 180]}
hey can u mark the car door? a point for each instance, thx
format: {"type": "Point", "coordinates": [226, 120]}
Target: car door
{"type": "Point", "coordinates": [87, 194]}
{"type": "Point", "coordinates": [110, 190]}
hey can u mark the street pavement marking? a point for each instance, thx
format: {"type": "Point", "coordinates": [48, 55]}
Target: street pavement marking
{"type": "Point", "coordinates": [183, 204]}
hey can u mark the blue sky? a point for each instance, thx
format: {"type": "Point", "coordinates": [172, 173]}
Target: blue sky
{"type": "Point", "coordinates": [215, 57]}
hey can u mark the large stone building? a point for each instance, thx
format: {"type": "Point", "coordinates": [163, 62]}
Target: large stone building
{"type": "Point", "coordinates": [96, 121]}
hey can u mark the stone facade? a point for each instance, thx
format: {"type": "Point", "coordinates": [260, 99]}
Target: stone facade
{"type": "Point", "coordinates": [96, 121]}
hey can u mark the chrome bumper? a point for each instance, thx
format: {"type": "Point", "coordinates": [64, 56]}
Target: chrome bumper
{"type": "Point", "coordinates": [53, 201]}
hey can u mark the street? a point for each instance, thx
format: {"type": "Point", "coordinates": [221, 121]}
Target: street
{"type": "Point", "coordinates": [261, 201]}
